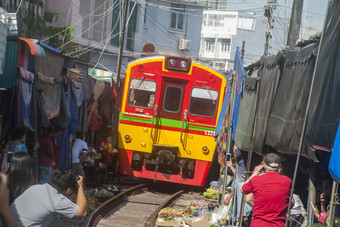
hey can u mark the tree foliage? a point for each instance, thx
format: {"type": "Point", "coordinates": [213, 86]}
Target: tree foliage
{"type": "Point", "coordinates": [40, 28]}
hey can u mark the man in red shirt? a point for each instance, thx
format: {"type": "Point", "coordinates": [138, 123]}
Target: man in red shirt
{"type": "Point", "coordinates": [271, 193]}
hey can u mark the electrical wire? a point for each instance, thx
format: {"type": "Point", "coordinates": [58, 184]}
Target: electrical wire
{"type": "Point", "coordinates": [68, 15]}
{"type": "Point", "coordinates": [92, 25]}
{"type": "Point", "coordinates": [19, 7]}
{"type": "Point", "coordinates": [109, 37]}
{"type": "Point", "coordinates": [82, 18]}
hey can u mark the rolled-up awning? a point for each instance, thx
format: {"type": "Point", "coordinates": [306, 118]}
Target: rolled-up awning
{"type": "Point", "coordinates": [99, 74]}
{"type": "Point", "coordinates": [35, 49]}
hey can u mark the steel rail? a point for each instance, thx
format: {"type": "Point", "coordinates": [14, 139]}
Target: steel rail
{"type": "Point", "coordinates": [104, 208]}
{"type": "Point", "coordinates": [100, 212]}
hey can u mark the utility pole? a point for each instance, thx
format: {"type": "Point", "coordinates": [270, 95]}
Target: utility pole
{"type": "Point", "coordinates": [121, 41]}
{"type": "Point", "coordinates": [295, 23]}
{"type": "Point", "coordinates": [268, 9]}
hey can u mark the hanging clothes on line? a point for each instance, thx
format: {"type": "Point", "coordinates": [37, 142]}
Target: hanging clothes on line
{"type": "Point", "coordinates": [51, 93]}
{"type": "Point", "coordinates": [26, 81]}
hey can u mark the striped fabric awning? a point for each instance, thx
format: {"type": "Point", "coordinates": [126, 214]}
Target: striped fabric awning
{"type": "Point", "coordinates": [35, 49]}
{"type": "Point", "coordinates": [99, 74]}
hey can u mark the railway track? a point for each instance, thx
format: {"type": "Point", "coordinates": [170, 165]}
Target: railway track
{"type": "Point", "coordinates": [137, 206]}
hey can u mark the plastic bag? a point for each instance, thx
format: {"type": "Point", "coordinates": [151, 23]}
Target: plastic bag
{"type": "Point", "coordinates": [220, 213]}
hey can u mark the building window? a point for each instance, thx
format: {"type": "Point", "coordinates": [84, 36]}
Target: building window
{"type": "Point", "coordinates": [209, 44]}
{"type": "Point", "coordinates": [131, 26]}
{"type": "Point", "coordinates": [225, 45]}
{"type": "Point", "coordinates": [177, 16]}
{"type": "Point", "coordinates": [100, 20]}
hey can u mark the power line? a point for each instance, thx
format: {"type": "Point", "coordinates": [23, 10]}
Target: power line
{"type": "Point", "coordinates": [307, 11]}
{"type": "Point", "coordinates": [106, 13]}
{"type": "Point", "coordinates": [83, 18]}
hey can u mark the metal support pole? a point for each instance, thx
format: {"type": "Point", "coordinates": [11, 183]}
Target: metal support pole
{"type": "Point", "coordinates": [332, 206]}
{"type": "Point", "coordinates": [35, 126]}
{"type": "Point", "coordinates": [305, 120]}
{"type": "Point", "coordinates": [242, 50]}
{"type": "Point", "coordinates": [230, 119]}
{"type": "Point", "coordinates": [311, 194]}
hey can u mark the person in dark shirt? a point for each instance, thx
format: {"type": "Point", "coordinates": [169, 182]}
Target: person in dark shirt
{"type": "Point", "coordinates": [46, 155]}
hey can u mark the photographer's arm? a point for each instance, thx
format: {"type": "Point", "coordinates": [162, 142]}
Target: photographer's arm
{"type": "Point", "coordinates": [256, 172]}
{"type": "Point", "coordinates": [81, 199]}
{"type": "Point", "coordinates": [6, 215]}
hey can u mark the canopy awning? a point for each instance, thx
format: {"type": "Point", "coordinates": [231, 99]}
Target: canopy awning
{"type": "Point", "coordinates": [99, 74]}
{"type": "Point", "coordinates": [35, 49]}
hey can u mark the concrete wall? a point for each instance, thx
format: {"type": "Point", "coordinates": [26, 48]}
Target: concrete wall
{"type": "Point", "coordinates": [166, 40]}
{"type": "Point", "coordinates": [254, 39]}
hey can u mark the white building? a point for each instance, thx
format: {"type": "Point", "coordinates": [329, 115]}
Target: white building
{"type": "Point", "coordinates": [223, 31]}
{"type": "Point", "coordinates": [168, 27]}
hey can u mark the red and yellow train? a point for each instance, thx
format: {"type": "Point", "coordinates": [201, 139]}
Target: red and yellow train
{"type": "Point", "coordinates": [169, 111]}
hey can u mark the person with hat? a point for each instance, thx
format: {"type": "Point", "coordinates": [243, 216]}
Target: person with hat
{"type": "Point", "coordinates": [271, 193]}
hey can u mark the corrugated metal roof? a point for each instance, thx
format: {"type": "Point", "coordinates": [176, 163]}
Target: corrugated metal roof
{"type": "Point", "coordinates": [9, 78]}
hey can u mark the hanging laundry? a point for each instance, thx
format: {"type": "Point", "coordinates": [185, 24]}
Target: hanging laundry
{"type": "Point", "coordinates": [51, 93]}
{"type": "Point", "coordinates": [77, 91]}
{"type": "Point", "coordinates": [25, 88]}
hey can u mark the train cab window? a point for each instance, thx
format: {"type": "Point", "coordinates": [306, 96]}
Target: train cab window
{"type": "Point", "coordinates": [172, 99]}
{"type": "Point", "coordinates": [203, 102]}
{"type": "Point", "coordinates": [142, 93]}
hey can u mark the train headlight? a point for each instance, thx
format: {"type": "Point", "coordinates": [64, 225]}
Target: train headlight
{"type": "Point", "coordinates": [183, 65]}
{"type": "Point", "coordinates": [176, 63]}
{"type": "Point", "coordinates": [205, 150]}
{"type": "Point", "coordinates": [172, 62]}
{"type": "Point", "coordinates": [127, 138]}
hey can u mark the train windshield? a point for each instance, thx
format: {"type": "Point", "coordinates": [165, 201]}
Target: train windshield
{"type": "Point", "coordinates": [203, 102]}
{"type": "Point", "coordinates": [142, 93]}
{"type": "Point", "coordinates": [173, 98]}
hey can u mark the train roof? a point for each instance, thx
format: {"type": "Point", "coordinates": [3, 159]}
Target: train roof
{"type": "Point", "coordinates": [163, 56]}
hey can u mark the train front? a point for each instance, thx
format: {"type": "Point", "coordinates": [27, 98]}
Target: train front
{"type": "Point", "coordinates": [168, 117]}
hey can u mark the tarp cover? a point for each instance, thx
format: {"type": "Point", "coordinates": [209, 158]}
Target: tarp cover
{"type": "Point", "coordinates": [240, 75]}
{"type": "Point", "coordinates": [333, 166]}
{"type": "Point", "coordinates": [324, 112]}
{"type": "Point", "coordinates": [289, 107]}
{"type": "Point", "coordinates": [269, 78]}
{"type": "Point", "coordinates": [52, 65]}
{"type": "Point", "coordinates": [246, 114]}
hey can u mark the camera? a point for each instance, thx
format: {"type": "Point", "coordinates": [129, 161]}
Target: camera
{"type": "Point", "coordinates": [77, 177]}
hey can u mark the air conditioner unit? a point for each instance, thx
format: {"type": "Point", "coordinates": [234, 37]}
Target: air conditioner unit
{"type": "Point", "coordinates": [184, 44]}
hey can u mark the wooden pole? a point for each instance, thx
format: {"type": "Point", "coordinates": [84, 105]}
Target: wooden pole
{"type": "Point", "coordinates": [121, 41]}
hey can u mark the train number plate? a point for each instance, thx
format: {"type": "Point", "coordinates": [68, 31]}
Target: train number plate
{"type": "Point", "coordinates": [209, 133]}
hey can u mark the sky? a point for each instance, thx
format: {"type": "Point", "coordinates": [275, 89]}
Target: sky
{"type": "Point", "coordinates": [312, 18]}
{"type": "Point", "coordinates": [312, 21]}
